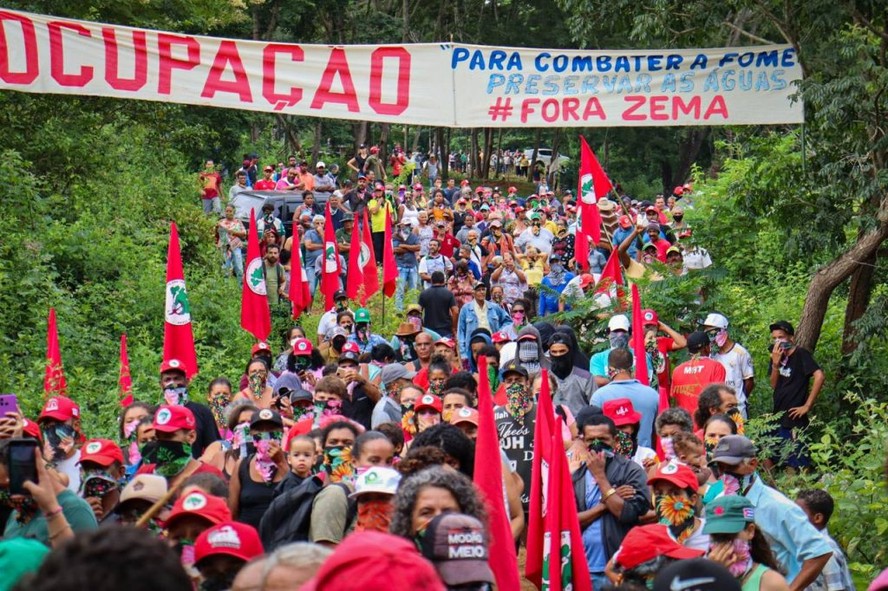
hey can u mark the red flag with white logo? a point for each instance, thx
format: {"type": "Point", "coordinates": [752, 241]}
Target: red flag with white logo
{"type": "Point", "coordinates": [124, 381]}
{"type": "Point", "coordinates": [389, 266]}
{"type": "Point", "coordinates": [368, 262]}
{"type": "Point", "coordinates": [593, 185]}
{"type": "Point", "coordinates": [330, 269]}
{"type": "Point", "coordinates": [298, 290]}
{"type": "Point", "coordinates": [54, 381]}
{"type": "Point", "coordinates": [355, 269]}
{"type": "Point", "coordinates": [178, 337]}
{"type": "Point", "coordinates": [255, 313]}
{"type": "Point", "coordinates": [638, 349]}
{"type": "Point", "coordinates": [542, 460]}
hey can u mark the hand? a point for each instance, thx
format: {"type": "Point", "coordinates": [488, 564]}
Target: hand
{"type": "Point", "coordinates": [722, 554]}
{"type": "Point", "coordinates": [11, 426]}
{"type": "Point", "coordinates": [48, 486]}
{"type": "Point", "coordinates": [309, 378]}
{"type": "Point", "coordinates": [625, 492]}
{"type": "Point", "coordinates": [798, 412]}
{"type": "Point", "coordinates": [596, 463]}
{"type": "Point", "coordinates": [275, 451]}
{"type": "Point", "coordinates": [577, 455]}
{"type": "Point", "coordinates": [650, 462]}
{"type": "Point", "coordinates": [95, 504]}
{"type": "Point", "coordinates": [776, 354]}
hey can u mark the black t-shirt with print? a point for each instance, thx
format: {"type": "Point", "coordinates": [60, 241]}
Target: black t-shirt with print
{"type": "Point", "coordinates": [516, 440]}
{"type": "Point", "coordinates": [792, 386]}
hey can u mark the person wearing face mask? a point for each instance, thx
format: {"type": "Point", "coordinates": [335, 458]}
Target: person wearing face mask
{"type": "Point", "coordinates": [462, 283]}
{"type": "Point", "coordinates": [225, 453]}
{"type": "Point", "coordinates": [406, 245]}
{"type": "Point", "coordinates": [552, 285]}
{"type": "Point", "coordinates": [170, 455]}
{"type": "Point", "coordinates": [622, 385]}
{"type": "Point", "coordinates": [329, 319]}
{"type": "Point", "coordinates": [174, 387]}
{"type": "Point", "coordinates": [254, 479]}
{"type": "Point", "coordinates": [132, 415]}
{"type": "Point", "coordinates": [659, 349]}
{"type": "Point", "coordinates": [374, 490]}
{"type": "Point", "coordinates": [575, 384]}
{"type": "Point", "coordinates": [269, 221]}
{"type": "Point", "coordinates": [530, 352]}
{"type": "Point", "coordinates": [362, 337]}
{"type": "Point", "coordinates": [59, 423]}
{"type": "Point", "coordinates": [515, 423]}
{"type": "Point", "coordinates": [739, 545]}
{"type": "Point", "coordinates": [676, 496]}
{"type": "Point", "coordinates": [192, 514]}
{"type": "Point", "coordinates": [649, 550]}
{"type": "Point", "coordinates": [479, 313]}
{"type": "Point", "coordinates": [511, 278]}
{"type": "Point", "coordinates": [736, 360]}
{"type": "Point", "coordinates": [102, 473]}
{"type": "Point", "coordinates": [628, 423]}
{"type": "Point", "coordinates": [222, 551]}
{"type": "Point", "coordinates": [618, 336]}
{"type": "Point", "coordinates": [330, 515]}
{"type": "Point", "coordinates": [800, 550]}
{"type": "Point", "coordinates": [388, 408]}
{"type": "Point", "coordinates": [610, 491]}
{"type": "Point", "coordinates": [690, 377]}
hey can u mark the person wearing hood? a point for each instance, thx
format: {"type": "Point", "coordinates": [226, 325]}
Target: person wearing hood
{"type": "Point", "coordinates": [579, 358]}
{"type": "Point", "coordinates": [575, 386]}
{"type": "Point", "coordinates": [479, 340]}
{"type": "Point", "coordinates": [530, 352]}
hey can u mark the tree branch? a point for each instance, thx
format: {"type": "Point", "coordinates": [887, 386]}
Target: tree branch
{"type": "Point", "coordinates": [748, 34]}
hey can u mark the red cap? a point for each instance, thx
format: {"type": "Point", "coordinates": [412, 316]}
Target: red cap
{"type": "Point", "coordinates": [172, 365]}
{"type": "Point", "coordinates": [428, 401]}
{"type": "Point", "coordinates": [447, 342]}
{"type": "Point", "coordinates": [621, 412]}
{"type": "Point", "coordinates": [646, 542]}
{"type": "Point", "coordinates": [479, 190]}
{"type": "Point", "coordinates": [103, 452]}
{"type": "Point", "coordinates": [586, 280]}
{"type": "Point", "coordinates": [500, 337]}
{"type": "Point", "coordinates": [678, 474]}
{"type": "Point", "coordinates": [417, 187]}
{"type": "Point", "coordinates": [260, 346]}
{"type": "Point", "coordinates": [350, 347]}
{"type": "Point", "coordinates": [678, 190]}
{"type": "Point", "coordinates": [625, 222]}
{"type": "Point", "coordinates": [302, 346]}
{"type": "Point", "coordinates": [31, 429]}
{"type": "Point", "coordinates": [513, 190]}
{"type": "Point", "coordinates": [198, 503]}
{"type": "Point", "coordinates": [59, 408]}
{"type": "Point", "coordinates": [464, 183]}
{"type": "Point", "coordinates": [396, 565]}
{"type": "Point", "coordinates": [169, 419]}
{"type": "Point", "coordinates": [465, 415]}
{"type": "Point", "coordinates": [649, 316]}
{"type": "Point", "coordinates": [230, 538]}
{"type": "Point", "coordinates": [374, 150]}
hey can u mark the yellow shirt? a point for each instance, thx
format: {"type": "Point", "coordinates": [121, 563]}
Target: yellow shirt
{"type": "Point", "coordinates": [533, 271]}
{"type": "Point", "coordinates": [377, 220]}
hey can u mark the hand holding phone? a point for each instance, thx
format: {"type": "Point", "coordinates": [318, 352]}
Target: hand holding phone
{"type": "Point", "coordinates": [22, 465]}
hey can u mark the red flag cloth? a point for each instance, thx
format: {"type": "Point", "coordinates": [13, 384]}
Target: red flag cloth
{"type": "Point", "coordinates": [355, 269]}
{"type": "Point", "coordinates": [594, 185]}
{"type": "Point", "coordinates": [564, 567]}
{"type": "Point", "coordinates": [581, 248]}
{"type": "Point", "coordinates": [368, 262]}
{"type": "Point", "coordinates": [255, 313]}
{"type": "Point", "coordinates": [330, 270]}
{"type": "Point", "coordinates": [389, 266]}
{"type": "Point", "coordinates": [489, 481]}
{"type": "Point", "coordinates": [611, 281]}
{"type": "Point", "coordinates": [54, 381]}
{"type": "Point", "coordinates": [178, 338]}
{"type": "Point", "coordinates": [638, 349]}
{"type": "Point", "coordinates": [124, 381]}
{"type": "Point", "coordinates": [542, 460]}
{"type": "Point", "coordinates": [298, 291]}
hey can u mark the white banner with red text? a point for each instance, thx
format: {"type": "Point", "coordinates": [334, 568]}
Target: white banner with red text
{"type": "Point", "coordinates": [450, 85]}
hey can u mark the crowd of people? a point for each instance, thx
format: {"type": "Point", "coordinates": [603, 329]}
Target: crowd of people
{"type": "Point", "coordinates": [346, 460]}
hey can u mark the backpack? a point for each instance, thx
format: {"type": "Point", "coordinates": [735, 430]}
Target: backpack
{"type": "Point", "coordinates": [288, 517]}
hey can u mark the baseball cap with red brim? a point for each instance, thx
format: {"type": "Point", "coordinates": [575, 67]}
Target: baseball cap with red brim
{"type": "Point", "coordinates": [621, 412]}
{"type": "Point", "coordinates": [646, 542]}
{"type": "Point", "coordinates": [260, 346]}
{"type": "Point", "coordinates": [230, 538]}
{"type": "Point", "coordinates": [199, 504]}
{"type": "Point", "coordinates": [649, 316]}
{"type": "Point", "coordinates": [103, 452]}
{"type": "Point", "coordinates": [59, 408]}
{"type": "Point", "coordinates": [429, 401]}
{"type": "Point", "coordinates": [674, 473]}
{"type": "Point", "coordinates": [172, 365]}
{"type": "Point", "coordinates": [169, 419]}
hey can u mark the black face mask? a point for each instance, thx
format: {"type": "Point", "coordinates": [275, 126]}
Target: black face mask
{"type": "Point", "coordinates": [219, 582]}
{"type": "Point", "coordinates": [678, 218]}
{"type": "Point", "coordinates": [562, 365]}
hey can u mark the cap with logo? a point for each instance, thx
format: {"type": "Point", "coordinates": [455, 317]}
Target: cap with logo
{"type": "Point", "coordinates": [447, 342]}
{"type": "Point", "coordinates": [621, 412]}
{"type": "Point", "coordinates": [260, 347]}
{"type": "Point", "coordinates": [362, 315]}
{"type": "Point", "coordinates": [302, 346]}
{"type": "Point", "coordinates": [103, 452]}
{"type": "Point", "coordinates": [457, 545]}
{"type": "Point", "coordinates": [674, 473]}
{"type": "Point", "coordinates": [59, 408]}
{"type": "Point", "coordinates": [377, 480]}
{"type": "Point", "coordinates": [514, 367]}
{"type": "Point", "coordinates": [230, 538]}
{"type": "Point", "coordinates": [728, 514]}
{"type": "Point", "coordinates": [428, 401]}
{"type": "Point", "coordinates": [266, 417]}
{"type": "Point", "coordinates": [199, 504]}
{"type": "Point", "coordinates": [586, 279]}
{"type": "Point", "coordinates": [340, 295]}
{"type": "Point", "coordinates": [649, 316]}
{"type": "Point", "coordinates": [350, 352]}
{"type": "Point", "coordinates": [618, 322]}
{"type": "Point", "coordinates": [716, 320]}
{"type": "Point", "coordinates": [465, 415]}
{"type": "Point", "coordinates": [396, 371]}
{"type": "Point", "coordinates": [169, 419]}
{"type": "Point", "coordinates": [143, 487]}
{"type": "Point", "coordinates": [732, 450]}
{"type": "Point", "coordinates": [646, 542]}
{"type": "Point", "coordinates": [172, 365]}
{"type": "Point", "coordinates": [500, 337]}
{"type": "Point", "coordinates": [697, 574]}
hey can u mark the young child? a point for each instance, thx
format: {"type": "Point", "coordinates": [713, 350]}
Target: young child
{"type": "Point", "coordinates": [818, 505]}
{"type": "Point", "coordinates": [301, 457]}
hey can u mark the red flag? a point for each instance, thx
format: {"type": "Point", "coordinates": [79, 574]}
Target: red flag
{"type": "Point", "coordinates": [298, 291]}
{"type": "Point", "coordinates": [255, 313]}
{"type": "Point", "coordinates": [330, 270]}
{"type": "Point", "coordinates": [489, 481]}
{"type": "Point", "coordinates": [542, 460]}
{"type": "Point", "coordinates": [124, 380]}
{"type": "Point", "coordinates": [355, 269]}
{"type": "Point", "coordinates": [54, 381]}
{"type": "Point", "coordinates": [641, 368]}
{"type": "Point", "coordinates": [611, 281]}
{"type": "Point", "coordinates": [389, 266]}
{"type": "Point", "coordinates": [593, 185]}
{"type": "Point", "coordinates": [566, 567]}
{"type": "Point", "coordinates": [368, 262]}
{"type": "Point", "coordinates": [178, 338]}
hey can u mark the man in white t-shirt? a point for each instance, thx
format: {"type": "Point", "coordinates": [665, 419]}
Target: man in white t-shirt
{"type": "Point", "coordinates": [328, 320]}
{"type": "Point", "coordinates": [733, 356]}
{"type": "Point", "coordinates": [434, 261]}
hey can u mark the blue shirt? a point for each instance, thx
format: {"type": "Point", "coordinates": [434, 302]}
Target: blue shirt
{"type": "Point", "coordinates": [644, 399]}
{"type": "Point", "coordinates": [598, 364]}
{"type": "Point", "coordinates": [792, 537]}
{"type": "Point", "coordinates": [596, 557]}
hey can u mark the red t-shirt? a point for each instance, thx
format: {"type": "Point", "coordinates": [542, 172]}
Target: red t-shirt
{"type": "Point", "coordinates": [264, 185]}
{"type": "Point", "coordinates": [449, 244]}
{"type": "Point", "coordinates": [211, 182]}
{"type": "Point", "coordinates": [691, 377]}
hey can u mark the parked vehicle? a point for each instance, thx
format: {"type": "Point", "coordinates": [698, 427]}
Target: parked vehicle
{"type": "Point", "coordinates": [544, 156]}
{"type": "Point", "coordinates": [285, 205]}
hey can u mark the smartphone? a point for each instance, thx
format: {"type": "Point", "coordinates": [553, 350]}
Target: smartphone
{"type": "Point", "coordinates": [8, 403]}
{"type": "Point", "coordinates": [22, 465]}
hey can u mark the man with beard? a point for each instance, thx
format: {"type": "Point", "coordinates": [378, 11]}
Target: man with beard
{"type": "Point", "coordinates": [575, 384]}
{"type": "Point", "coordinates": [174, 385]}
{"type": "Point", "coordinates": [515, 423]}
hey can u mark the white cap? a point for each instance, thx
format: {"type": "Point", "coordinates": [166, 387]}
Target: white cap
{"type": "Point", "coordinates": [320, 164]}
{"type": "Point", "coordinates": [618, 322]}
{"type": "Point", "coordinates": [716, 320]}
{"type": "Point", "coordinates": [337, 193]}
{"type": "Point", "coordinates": [378, 480]}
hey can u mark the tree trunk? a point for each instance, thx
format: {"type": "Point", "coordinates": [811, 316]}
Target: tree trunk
{"type": "Point", "coordinates": [384, 129]}
{"type": "Point", "coordinates": [473, 155]}
{"type": "Point", "coordinates": [831, 276]}
{"type": "Point", "coordinates": [858, 299]}
{"type": "Point", "coordinates": [537, 138]}
{"type": "Point", "coordinates": [316, 148]}
{"type": "Point", "coordinates": [488, 146]}
{"type": "Point", "coordinates": [442, 156]}
{"type": "Point", "coordinates": [688, 151]}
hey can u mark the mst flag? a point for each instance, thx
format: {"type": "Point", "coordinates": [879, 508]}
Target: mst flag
{"type": "Point", "coordinates": [178, 338]}
{"type": "Point", "coordinates": [255, 313]}
{"type": "Point", "coordinates": [389, 266]}
{"type": "Point", "coordinates": [330, 270]}
{"type": "Point", "coordinates": [503, 561]}
{"type": "Point", "coordinates": [298, 290]}
{"type": "Point", "coordinates": [638, 349]}
{"type": "Point", "coordinates": [124, 381]}
{"type": "Point", "coordinates": [355, 268]}
{"type": "Point", "coordinates": [611, 283]}
{"type": "Point", "coordinates": [54, 378]}
{"type": "Point", "coordinates": [542, 460]}
{"type": "Point", "coordinates": [368, 261]}
{"type": "Point", "coordinates": [593, 185]}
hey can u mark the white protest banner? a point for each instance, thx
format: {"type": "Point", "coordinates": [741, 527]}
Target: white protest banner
{"type": "Point", "coordinates": [449, 85]}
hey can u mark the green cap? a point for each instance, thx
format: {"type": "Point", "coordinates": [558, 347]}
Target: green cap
{"type": "Point", "coordinates": [18, 557]}
{"type": "Point", "coordinates": [728, 515]}
{"type": "Point", "coordinates": [362, 315]}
